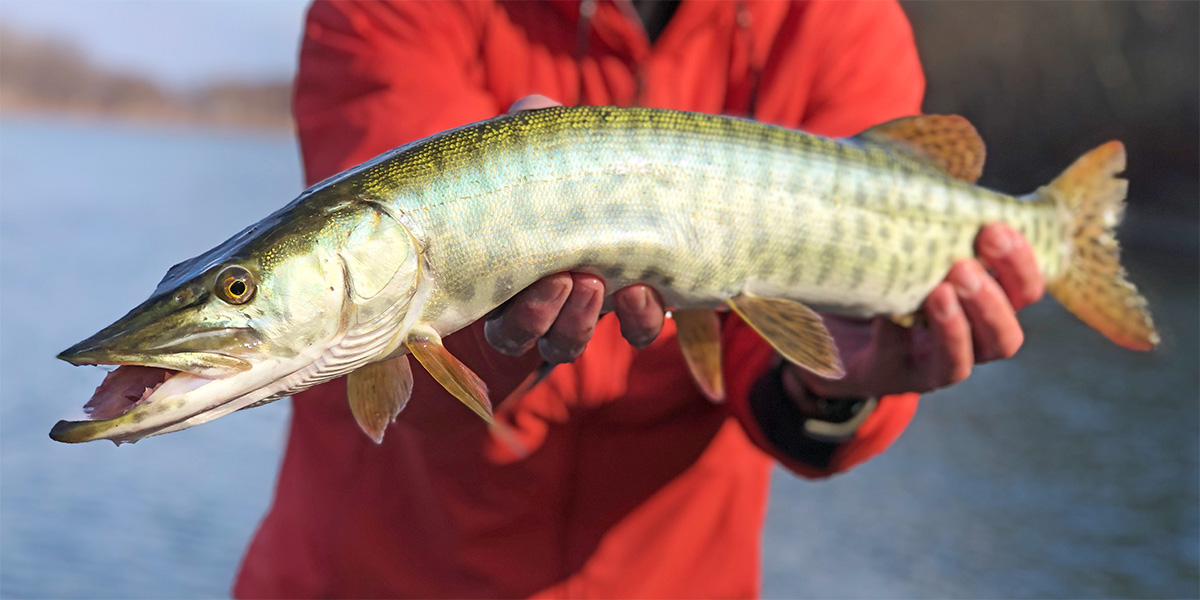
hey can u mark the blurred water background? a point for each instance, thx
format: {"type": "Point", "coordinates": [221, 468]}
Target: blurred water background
{"type": "Point", "coordinates": [1070, 471]}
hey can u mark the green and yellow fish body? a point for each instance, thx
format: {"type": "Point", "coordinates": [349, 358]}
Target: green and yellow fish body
{"type": "Point", "coordinates": [389, 257]}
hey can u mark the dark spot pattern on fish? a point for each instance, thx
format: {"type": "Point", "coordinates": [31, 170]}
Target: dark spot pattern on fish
{"type": "Point", "coordinates": [860, 195]}
{"type": "Point", "coordinates": [857, 275]}
{"type": "Point", "coordinates": [768, 267]}
{"type": "Point", "coordinates": [837, 229]}
{"type": "Point", "coordinates": [615, 211]}
{"type": "Point", "coordinates": [655, 277]}
{"type": "Point", "coordinates": [893, 272]}
{"type": "Point", "coordinates": [464, 291]}
{"type": "Point", "coordinates": [589, 258]}
{"type": "Point", "coordinates": [863, 226]}
{"type": "Point", "coordinates": [793, 256]}
{"type": "Point", "coordinates": [615, 270]}
{"type": "Point", "coordinates": [828, 257]}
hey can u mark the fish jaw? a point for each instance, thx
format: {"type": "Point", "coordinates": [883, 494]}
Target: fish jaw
{"type": "Point", "coordinates": [181, 397]}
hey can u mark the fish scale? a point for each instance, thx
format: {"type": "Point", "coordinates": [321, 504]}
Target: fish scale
{"type": "Point", "coordinates": [694, 178]}
{"type": "Point", "coordinates": [386, 259]}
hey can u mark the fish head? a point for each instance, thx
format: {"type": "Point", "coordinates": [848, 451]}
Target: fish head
{"type": "Point", "coordinates": [278, 308]}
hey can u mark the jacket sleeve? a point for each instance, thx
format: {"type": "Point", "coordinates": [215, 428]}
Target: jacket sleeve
{"type": "Point", "coordinates": [377, 75]}
{"type": "Point", "coordinates": [367, 67]}
{"type": "Point", "coordinates": [867, 73]}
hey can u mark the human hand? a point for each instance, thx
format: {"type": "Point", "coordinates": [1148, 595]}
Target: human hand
{"type": "Point", "coordinates": [970, 319]}
{"type": "Point", "coordinates": [559, 312]}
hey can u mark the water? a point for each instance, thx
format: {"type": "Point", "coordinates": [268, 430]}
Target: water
{"type": "Point", "coordinates": [93, 215]}
{"type": "Point", "coordinates": [1069, 472]}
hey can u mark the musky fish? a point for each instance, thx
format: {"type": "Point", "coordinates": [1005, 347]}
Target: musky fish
{"type": "Point", "coordinates": [387, 258]}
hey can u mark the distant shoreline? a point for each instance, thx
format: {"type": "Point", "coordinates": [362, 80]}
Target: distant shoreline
{"type": "Point", "coordinates": [45, 76]}
{"type": "Point", "coordinates": [67, 118]}
{"type": "Point", "coordinates": [17, 110]}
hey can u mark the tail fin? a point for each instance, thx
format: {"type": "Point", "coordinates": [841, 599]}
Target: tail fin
{"type": "Point", "coordinates": [1093, 285]}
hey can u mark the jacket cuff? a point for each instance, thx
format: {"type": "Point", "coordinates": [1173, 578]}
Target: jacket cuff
{"type": "Point", "coordinates": [817, 449]}
{"type": "Point", "coordinates": [802, 438]}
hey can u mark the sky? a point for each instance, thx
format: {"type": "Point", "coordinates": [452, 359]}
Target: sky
{"type": "Point", "coordinates": [178, 43]}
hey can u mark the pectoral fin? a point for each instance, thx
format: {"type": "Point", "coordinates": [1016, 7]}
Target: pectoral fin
{"type": "Point", "coordinates": [699, 333]}
{"type": "Point", "coordinates": [794, 330]}
{"type": "Point", "coordinates": [378, 392]}
{"type": "Point", "coordinates": [451, 373]}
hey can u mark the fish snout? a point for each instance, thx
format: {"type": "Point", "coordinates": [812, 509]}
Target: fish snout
{"type": "Point", "coordinates": [91, 351]}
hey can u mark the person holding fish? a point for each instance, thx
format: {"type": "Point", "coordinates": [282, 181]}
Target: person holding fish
{"type": "Point", "coordinates": [618, 477]}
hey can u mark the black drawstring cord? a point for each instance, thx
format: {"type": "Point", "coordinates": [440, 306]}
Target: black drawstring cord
{"type": "Point", "coordinates": [583, 28]}
{"type": "Point", "coordinates": [747, 34]}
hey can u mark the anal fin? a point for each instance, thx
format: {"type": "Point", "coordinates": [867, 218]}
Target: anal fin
{"type": "Point", "coordinates": [378, 392]}
{"type": "Point", "coordinates": [794, 330]}
{"type": "Point", "coordinates": [699, 333]}
{"type": "Point", "coordinates": [456, 377]}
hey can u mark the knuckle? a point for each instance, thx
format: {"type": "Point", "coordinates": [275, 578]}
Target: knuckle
{"type": "Point", "coordinates": [503, 342]}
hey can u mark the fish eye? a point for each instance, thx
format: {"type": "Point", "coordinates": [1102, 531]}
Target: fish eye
{"type": "Point", "coordinates": [235, 285]}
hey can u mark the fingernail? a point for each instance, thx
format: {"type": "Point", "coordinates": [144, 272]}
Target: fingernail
{"type": "Point", "coordinates": [943, 308]}
{"type": "Point", "coordinates": [635, 300]}
{"type": "Point", "coordinates": [543, 294]}
{"type": "Point", "coordinates": [966, 280]}
{"type": "Point", "coordinates": [999, 245]}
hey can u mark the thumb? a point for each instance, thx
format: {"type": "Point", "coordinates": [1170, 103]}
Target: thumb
{"type": "Point", "coordinates": [532, 102]}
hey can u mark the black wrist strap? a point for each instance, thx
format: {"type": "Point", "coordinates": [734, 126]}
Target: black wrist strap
{"type": "Point", "coordinates": [803, 438]}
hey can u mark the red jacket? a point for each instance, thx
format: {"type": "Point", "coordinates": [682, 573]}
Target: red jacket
{"type": "Point", "coordinates": [636, 485]}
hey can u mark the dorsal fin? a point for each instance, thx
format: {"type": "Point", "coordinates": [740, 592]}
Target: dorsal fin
{"type": "Point", "coordinates": [949, 142]}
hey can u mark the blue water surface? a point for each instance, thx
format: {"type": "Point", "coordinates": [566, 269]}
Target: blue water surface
{"type": "Point", "coordinates": [1068, 472]}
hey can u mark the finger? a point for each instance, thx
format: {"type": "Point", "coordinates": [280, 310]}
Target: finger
{"type": "Point", "coordinates": [1010, 257]}
{"type": "Point", "coordinates": [640, 313]}
{"type": "Point", "coordinates": [890, 350]}
{"type": "Point", "coordinates": [943, 355]}
{"type": "Point", "coordinates": [528, 315]}
{"type": "Point", "coordinates": [532, 102]}
{"type": "Point", "coordinates": [576, 322]}
{"type": "Point", "coordinates": [881, 369]}
{"type": "Point", "coordinates": [995, 331]}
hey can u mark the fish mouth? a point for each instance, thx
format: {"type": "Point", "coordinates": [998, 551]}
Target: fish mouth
{"type": "Point", "coordinates": [148, 393]}
{"type": "Point", "coordinates": [130, 396]}
{"type": "Point", "coordinates": [124, 389]}
{"type": "Point", "coordinates": [151, 393]}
